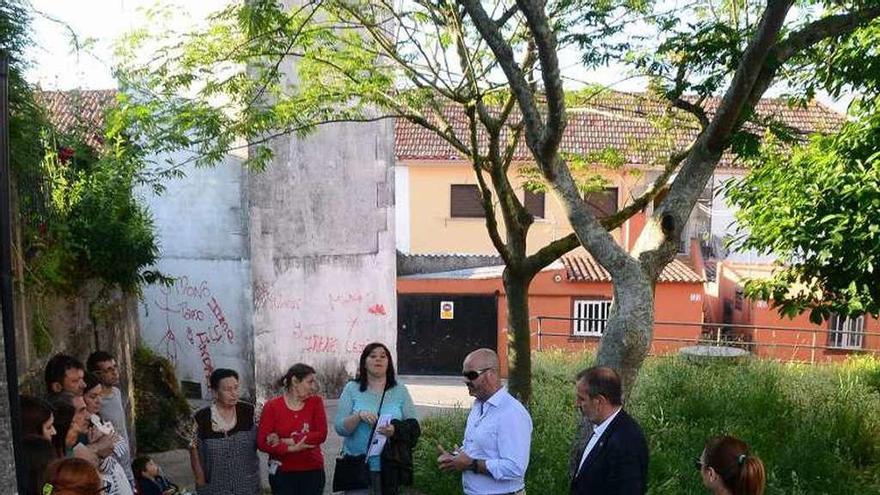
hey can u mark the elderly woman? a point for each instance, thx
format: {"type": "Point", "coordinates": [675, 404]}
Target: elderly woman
{"type": "Point", "coordinates": [223, 454]}
{"type": "Point", "coordinates": [373, 395]}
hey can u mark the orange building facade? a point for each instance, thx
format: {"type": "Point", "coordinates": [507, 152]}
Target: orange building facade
{"type": "Point", "coordinates": [769, 335]}
{"type": "Point", "coordinates": [569, 300]}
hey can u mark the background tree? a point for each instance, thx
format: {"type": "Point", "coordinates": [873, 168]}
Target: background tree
{"type": "Point", "coordinates": [280, 70]}
{"type": "Point", "coordinates": [817, 208]}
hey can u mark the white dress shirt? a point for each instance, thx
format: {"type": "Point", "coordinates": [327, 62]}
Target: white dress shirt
{"type": "Point", "coordinates": [597, 434]}
{"type": "Point", "coordinates": [499, 432]}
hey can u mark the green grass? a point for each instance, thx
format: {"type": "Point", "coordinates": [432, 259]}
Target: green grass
{"type": "Point", "coordinates": [817, 428]}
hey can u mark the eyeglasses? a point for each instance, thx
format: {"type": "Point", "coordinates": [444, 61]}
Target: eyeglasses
{"type": "Point", "coordinates": [473, 375]}
{"type": "Point", "coordinates": [698, 463]}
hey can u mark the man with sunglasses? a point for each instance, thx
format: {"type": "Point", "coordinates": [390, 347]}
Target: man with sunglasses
{"type": "Point", "coordinates": [495, 454]}
{"type": "Point", "coordinates": [615, 458]}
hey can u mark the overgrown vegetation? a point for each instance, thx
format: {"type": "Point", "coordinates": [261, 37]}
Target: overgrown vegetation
{"type": "Point", "coordinates": [817, 428]}
{"type": "Point", "coordinates": [160, 408]}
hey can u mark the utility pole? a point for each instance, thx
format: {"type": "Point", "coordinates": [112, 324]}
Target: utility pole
{"type": "Point", "coordinates": [11, 472]}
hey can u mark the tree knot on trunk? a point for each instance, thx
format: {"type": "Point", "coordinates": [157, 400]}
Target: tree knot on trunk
{"type": "Point", "coordinates": [667, 224]}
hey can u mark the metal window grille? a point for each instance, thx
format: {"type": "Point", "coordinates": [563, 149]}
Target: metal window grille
{"type": "Point", "coordinates": [846, 332]}
{"type": "Point", "coordinates": [590, 317]}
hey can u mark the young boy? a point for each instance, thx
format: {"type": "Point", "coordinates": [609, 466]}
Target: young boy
{"type": "Point", "coordinates": [148, 480]}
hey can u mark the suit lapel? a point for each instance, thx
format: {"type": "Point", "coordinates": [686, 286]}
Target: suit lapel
{"type": "Point", "coordinates": [600, 444]}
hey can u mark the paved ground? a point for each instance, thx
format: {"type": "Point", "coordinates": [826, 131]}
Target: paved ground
{"type": "Point", "coordinates": [431, 394]}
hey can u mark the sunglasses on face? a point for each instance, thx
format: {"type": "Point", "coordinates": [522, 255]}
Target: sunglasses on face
{"type": "Point", "coordinates": [473, 375]}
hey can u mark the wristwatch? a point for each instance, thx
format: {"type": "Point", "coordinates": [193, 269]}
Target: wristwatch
{"type": "Point", "coordinates": [474, 466]}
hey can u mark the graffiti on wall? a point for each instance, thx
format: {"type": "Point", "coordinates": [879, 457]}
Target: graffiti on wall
{"type": "Point", "coordinates": [194, 320]}
{"type": "Point", "coordinates": [330, 323]}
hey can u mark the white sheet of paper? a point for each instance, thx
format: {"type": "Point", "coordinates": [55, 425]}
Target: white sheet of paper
{"type": "Point", "coordinates": [379, 439]}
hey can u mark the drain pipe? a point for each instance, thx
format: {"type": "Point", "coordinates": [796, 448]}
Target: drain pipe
{"type": "Point", "coordinates": [6, 274]}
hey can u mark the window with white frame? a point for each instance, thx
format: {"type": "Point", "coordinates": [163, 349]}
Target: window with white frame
{"type": "Point", "coordinates": [846, 332]}
{"type": "Point", "coordinates": [589, 317]}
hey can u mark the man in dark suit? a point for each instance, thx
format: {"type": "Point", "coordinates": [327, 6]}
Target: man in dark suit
{"type": "Point", "coordinates": [614, 460]}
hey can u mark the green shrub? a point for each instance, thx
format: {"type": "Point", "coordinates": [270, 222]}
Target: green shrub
{"type": "Point", "coordinates": [160, 408]}
{"type": "Point", "coordinates": [817, 428]}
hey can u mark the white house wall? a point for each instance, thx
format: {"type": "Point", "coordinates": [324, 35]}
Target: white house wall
{"type": "Point", "coordinates": [203, 321]}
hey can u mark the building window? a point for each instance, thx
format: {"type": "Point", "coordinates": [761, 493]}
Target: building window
{"type": "Point", "coordinates": [846, 332]}
{"type": "Point", "coordinates": [739, 298]}
{"type": "Point", "coordinates": [589, 317]}
{"type": "Point", "coordinates": [534, 203]}
{"type": "Point", "coordinates": [602, 203]}
{"type": "Point", "coordinates": [465, 201]}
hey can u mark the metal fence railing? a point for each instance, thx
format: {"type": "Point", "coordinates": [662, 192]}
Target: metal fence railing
{"type": "Point", "coordinates": [773, 342]}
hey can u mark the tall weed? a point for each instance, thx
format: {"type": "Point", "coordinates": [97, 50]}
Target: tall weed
{"type": "Point", "coordinates": [817, 428]}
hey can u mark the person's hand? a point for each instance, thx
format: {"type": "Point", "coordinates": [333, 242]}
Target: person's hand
{"type": "Point", "coordinates": [457, 460]}
{"type": "Point", "coordinates": [388, 431]}
{"type": "Point", "coordinates": [94, 434]}
{"type": "Point", "coordinates": [104, 446]}
{"type": "Point", "coordinates": [83, 452]}
{"type": "Point", "coordinates": [368, 417]}
{"type": "Point", "coordinates": [272, 439]}
{"type": "Point", "coordinates": [298, 446]}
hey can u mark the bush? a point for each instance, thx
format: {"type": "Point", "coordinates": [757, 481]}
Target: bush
{"type": "Point", "coordinates": [161, 411]}
{"type": "Point", "coordinates": [817, 428]}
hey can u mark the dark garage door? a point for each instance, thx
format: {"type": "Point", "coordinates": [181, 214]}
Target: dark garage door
{"type": "Point", "coordinates": [429, 345]}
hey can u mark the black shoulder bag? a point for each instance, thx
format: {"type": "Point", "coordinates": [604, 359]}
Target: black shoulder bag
{"type": "Point", "coordinates": [352, 471]}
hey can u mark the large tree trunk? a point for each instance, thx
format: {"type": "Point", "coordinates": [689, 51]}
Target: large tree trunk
{"type": "Point", "coordinates": [519, 336]}
{"type": "Point", "coordinates": [630, 328]}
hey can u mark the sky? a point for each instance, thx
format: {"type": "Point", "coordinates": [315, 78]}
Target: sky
{"type": "Point", "coordinates": [56, 66]}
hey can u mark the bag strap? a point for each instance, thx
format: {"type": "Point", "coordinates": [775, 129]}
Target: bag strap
{"type": "Point", "coordinates": [373, 431]}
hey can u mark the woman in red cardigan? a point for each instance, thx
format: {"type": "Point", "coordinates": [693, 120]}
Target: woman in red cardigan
{"type": "Point", "coordinates": [292, 428]}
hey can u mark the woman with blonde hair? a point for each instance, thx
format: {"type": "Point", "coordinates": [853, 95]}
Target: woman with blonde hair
{"type": "Point", "coordinates": [729, 468]}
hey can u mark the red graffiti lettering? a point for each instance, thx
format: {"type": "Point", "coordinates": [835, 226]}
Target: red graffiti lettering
{"type": "Point", "coordinates": [205, 354]}
{"type": "Point", "coordinates": [377, 309]}
{"type": "Point", "coordinates": [347, 298]}
{"type": "Point", "coordinates": [321, 344]}
{"type": "Point", "coordinates": [198, 290]}
{"type": "Point", "coordinates": [222, 325]}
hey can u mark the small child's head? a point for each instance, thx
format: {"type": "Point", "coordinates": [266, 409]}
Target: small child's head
{"type": "Point", "coordinates": [144, 467]}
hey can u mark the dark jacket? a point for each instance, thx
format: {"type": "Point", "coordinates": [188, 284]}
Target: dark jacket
{"type": "Point", "coordinates": [397, 458]}
{"type": "Point", "coordinates": [618, 463]}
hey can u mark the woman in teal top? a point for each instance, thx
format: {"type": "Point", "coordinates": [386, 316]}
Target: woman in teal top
{"type": "Point", "coordinates": [359, 407]}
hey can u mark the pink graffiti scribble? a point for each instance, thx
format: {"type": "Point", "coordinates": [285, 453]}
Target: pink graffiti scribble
{"type": "Point", "coordinates": [377, 309]}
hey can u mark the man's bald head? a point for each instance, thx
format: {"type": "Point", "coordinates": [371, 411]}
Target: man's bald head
{"type": "Point", "coordinates": [482, 358]}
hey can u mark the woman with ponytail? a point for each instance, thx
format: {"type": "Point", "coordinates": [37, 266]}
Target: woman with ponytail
{"type": "Point", "coordinates": [728, 468]}
{"type": "Point", "coordinates": [292, 428]}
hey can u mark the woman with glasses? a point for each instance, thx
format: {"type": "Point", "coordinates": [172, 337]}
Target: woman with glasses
{"type": "Point", "coordinates": [73, 476]}
{"type": "Point", "coordinates": [374, 404]}
{"type": "Point", "coordinates": [729, 468]}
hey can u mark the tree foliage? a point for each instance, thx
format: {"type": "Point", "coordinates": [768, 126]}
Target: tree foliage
{"type": "Point", "coordinates": [817, 207]}
{"type": "Point", "coordinates": [78, 217]}
{"type": "Point", "coordinates": [259, 70]}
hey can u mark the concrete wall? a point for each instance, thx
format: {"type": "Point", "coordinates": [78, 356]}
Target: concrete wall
{"type": "Point", "coordinates": [323, 254]}
{"type": "Point", "coordinates": [203, 321]}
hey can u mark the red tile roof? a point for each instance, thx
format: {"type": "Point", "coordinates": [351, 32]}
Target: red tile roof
{"type": "Point", "coordinates": [78, 110]}
{"type": "Point", "coordinates": [584, 268]}
{"type": "Point", "coordinates": [611, 120]}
